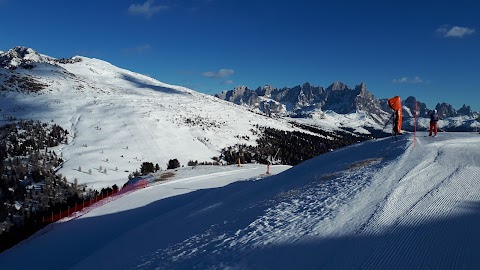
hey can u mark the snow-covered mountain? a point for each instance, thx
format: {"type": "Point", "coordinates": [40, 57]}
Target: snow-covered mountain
{"type": "Point", "coordinates": [22, 57]}
{"type": "Point", "coordinates": [118, 119]}
{"type": "Point", "coordinates": [380, 204]}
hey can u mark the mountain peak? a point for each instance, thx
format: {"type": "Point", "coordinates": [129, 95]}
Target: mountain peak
{"type": "Point", "coordinates": [362, 87]}
{"type": "Point", "coordinates": [268, 87]}
{"type": "Point", "coordinates": [21, 56]}
{"type": "Point", "coordinates": [337, 86]}
{"type": "Point", "coordinates": [240, 88]}
{"type": "Point", "coordinates": [465, 110]}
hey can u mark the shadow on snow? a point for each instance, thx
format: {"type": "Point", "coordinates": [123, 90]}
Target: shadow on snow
{"type": "Point", "coordinates": [141, 84]}
{"type": "Point", "coordinates": [199, 230]}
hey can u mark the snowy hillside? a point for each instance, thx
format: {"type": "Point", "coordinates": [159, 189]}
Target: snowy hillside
{"type": "Point", "coordinates": [118, 119]}
{"type": "Point", "coordinates": [330, 120]}
{"type": "Point", "coordinates": [375, 205]}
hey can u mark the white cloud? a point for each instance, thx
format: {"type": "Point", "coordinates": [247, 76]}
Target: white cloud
{"type": "Point", "coordinates": [407, 80]}
{"type": "Point", "coordinates": [227, 82]}
{"type": "Point", "coordinates": [221, 73]}
{"type": "Point", "coordinates": [147, 9]}
{"type": "Point", "coordinates": [455, 31]}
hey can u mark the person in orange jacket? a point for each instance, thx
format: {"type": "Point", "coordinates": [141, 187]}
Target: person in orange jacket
{"type": "Point", "coordinates": [433, 123]}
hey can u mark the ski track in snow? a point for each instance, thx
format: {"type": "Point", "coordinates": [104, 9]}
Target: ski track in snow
{"type": "Point", "coordinates": [420, 189]}
{"type": "Point", "coordinates": [375, 205]}
{"type": "Point", "coordinates": [289, 216]}
{"type": "Point", "coordinates": [431, 190]}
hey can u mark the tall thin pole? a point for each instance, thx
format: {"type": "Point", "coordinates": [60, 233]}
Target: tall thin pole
{"type": "Point", "coordinates": [415, 126]}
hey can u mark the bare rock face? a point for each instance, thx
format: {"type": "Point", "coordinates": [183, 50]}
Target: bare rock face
{"type": "Point", "coordinates": [302, 99]}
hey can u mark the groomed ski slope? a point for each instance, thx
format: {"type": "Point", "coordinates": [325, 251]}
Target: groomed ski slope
{"type": "Point", "coordinates": [376, 205]}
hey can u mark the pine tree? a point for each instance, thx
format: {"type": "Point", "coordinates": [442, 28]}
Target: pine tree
{"type": "Point", "coordinates": [147, 167]}
{"type": "Point", "coordinates": [173, 164]}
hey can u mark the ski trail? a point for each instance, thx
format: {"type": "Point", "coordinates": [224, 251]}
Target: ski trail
{"type": "Point", "coordinates": [287, 217]}
{"type": "Point", "coordinates": [427, 194]}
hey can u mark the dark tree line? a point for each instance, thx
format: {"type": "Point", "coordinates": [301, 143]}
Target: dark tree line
{"type": "Point", "coordinates": [290, 148]}
{"type": "Point", "coordinates": [29, 187]}
{"type": "Point", "coordinates": [21, 138]}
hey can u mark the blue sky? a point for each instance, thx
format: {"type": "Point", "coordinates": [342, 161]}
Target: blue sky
{"type": "Point", "coordinates": [428, 49]}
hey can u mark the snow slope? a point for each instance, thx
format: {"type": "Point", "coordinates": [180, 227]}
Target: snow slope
{"type": "Point", "coordinates": [118, 119]}
{"type": "Point", "coordinates": [375, 205]}
{"type": "Point", "coordinates": [330, 120]}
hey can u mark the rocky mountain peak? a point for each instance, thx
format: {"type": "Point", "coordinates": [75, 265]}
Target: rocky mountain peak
{"type": "Point", "coordinates": [268, 87]}
{"type": "Point", "coordinates": [240, 88]}
{"type": "Point", "coordinates": [421, 108]}
{"type": "Point", "coordinates": [337, 86]}
{"type": "Point", "coordinates": [306, 85]}
{"type": "Point", "coordinates": [21, 57]}
{"type": "Point", "coordinates": [445, 110]}
{"type": "Point", "coordinates": [362, 87]}
{"type": "Point", "coordinates": [465, 110]}
{"type": "Point", "coordinates": [265, 90]}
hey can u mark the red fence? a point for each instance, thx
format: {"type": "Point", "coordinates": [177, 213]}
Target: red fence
{"type": "Point", "coordinates": [84, 204]}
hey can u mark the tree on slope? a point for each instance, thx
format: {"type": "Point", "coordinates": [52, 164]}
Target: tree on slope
{"type": "Point", "coordinates": [173, 163]}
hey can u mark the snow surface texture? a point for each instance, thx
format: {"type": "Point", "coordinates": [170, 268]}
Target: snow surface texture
{"type": "Point", "coordinates": [376, 205]}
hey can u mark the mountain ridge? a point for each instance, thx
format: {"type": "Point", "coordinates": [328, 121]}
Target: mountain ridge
{"type": "Point", "coordinates": [337, 97]}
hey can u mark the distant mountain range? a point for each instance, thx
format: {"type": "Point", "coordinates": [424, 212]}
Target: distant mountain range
{"type": "Point", "coordinates": [304, 101]}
